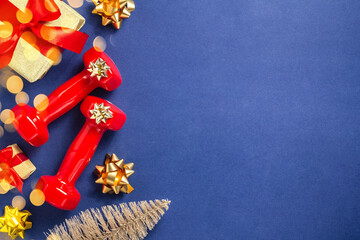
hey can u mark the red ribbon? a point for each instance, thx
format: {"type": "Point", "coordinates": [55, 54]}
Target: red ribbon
{"type": "Point", "coordinates": [7, 162]}
{"type": "Point", "coordinates": [42, 11]}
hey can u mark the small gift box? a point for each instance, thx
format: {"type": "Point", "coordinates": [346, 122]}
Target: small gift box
{"type": "Point", "coordinates": [34, 32]}
{"type": "Point", "coordinates": [15, 167]}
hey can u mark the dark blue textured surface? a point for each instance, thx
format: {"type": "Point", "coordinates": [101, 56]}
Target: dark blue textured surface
{"type": "Point", "coordinates": [244, 113]}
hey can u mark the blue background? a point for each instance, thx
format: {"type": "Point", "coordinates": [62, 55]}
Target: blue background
{"type": "Point", "coordinates": [244, 113]}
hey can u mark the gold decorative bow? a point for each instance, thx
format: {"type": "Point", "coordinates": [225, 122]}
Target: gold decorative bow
{"type": "Point", "coordinates": [14, 222]}
{"type": "Point", "coordinates": [113, 11]}
{"type": "Point", "coordinates": [114, 175]}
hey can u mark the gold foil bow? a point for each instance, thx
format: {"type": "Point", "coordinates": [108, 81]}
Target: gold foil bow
{"type": "Point", "coordinates": [113, 11]}
{"type": "Point", "coordinates": [14, 222]}
{"type": "Point", "coordinates": [114, 175]}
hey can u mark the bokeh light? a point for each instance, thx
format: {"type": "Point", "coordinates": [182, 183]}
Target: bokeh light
{"type": "Point", "coordinates": [112, 40]}
{"type": "Point", "coordinates": [99, 44]}
{"type": "Point", "coordinates": [3, 81]}
{"type": "Point", "coordinates": [7, 237]}
{"type": "Point", "coordinates": [6, 29]}
{"type": "Point", "coordinates": [50, 6]}
{"type": "Point", "coordinates": [24, 17]}
{"type": "Point", "coordinates": [5, 73]}
{"type": "Point", "coordinates": [37, 197]}
{"type": "Point", "coordinates": [47, 33]}
{"type": "Point", "coordinates": [4, 186]}
{"type": "Point", "coordinates": [9, 127]}
{"type": "Point", "coordinates": [14, 84]}
{"type": "Point", "coordinates": [33, 184]}
{"type": "Point", "coordinates": [65, 26]}
{"type": "Point", "coordinates": [29, 37]}
{"type": "Point", "coordinates": [22, 98]}
{"type": "Point", "coordinates": [7, 116]}
{"type": "Point", "coordinates": [55, 55]}
{"type": "Point", "coordinates": [18, 202]}
{"type": "Point", "coordinates": [76, 3]}
{"type": "Point", "coordinates": [41, 102]}
{"type": "Point", "coordinates": [1, 131]}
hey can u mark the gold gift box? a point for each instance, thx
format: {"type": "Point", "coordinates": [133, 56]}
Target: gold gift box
{"type": "Point", "coordinates": [27, 60]}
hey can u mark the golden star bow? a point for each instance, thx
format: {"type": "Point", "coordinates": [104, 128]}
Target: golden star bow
{"type": "Point", "coordinates": [98, 69]}
{"type": "Point", "coordinates": [14, 222]}
{"type": "Point", "coordinates": [101, 113]}
{"type": "Point", "coordinates": [113, 11]}
{"type": "Point", "coordinates": [114, 175]}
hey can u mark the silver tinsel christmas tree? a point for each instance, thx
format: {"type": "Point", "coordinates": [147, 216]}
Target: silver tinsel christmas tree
{"type": "Point", "coordinates": [116, 222]}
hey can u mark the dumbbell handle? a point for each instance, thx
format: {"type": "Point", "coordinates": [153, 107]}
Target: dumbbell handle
{"type": "Point", "coordinates": [80, 153]}
{"type": "Point", "coordinates": [66, 96]}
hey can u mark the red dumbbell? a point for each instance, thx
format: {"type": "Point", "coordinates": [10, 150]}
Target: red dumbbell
{"type": "Point", "coordinates": [101, 115]}
{"type": "Point", "coordinates": [100, 71]}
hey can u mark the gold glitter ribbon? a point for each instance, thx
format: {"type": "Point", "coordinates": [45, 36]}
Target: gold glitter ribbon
{"type": "Point", "coordinates": [14, 222]}
{"type": "Point", "coordinates": [113, 11]}
{"type": "Point", "coordinates": [114, 175]}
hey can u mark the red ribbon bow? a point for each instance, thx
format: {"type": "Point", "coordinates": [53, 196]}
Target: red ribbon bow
{"type": "Point", "coordinates": [7, 162]}
{"type": "Point", "coordinates": [42, 11]}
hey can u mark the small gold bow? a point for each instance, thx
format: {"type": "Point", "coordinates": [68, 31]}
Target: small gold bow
{"type": "Point", "coordinates": [114, 175]}
{"type": "Point", "coordinates": [113, 11]}
{"type": "Point", "coordinates": [14, 222]}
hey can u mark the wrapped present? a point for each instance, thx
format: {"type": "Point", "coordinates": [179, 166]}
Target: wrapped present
{"type": "Point", "coordinates": [33, 34]}
{"type": "Point", "coordinates": [15, 167]}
